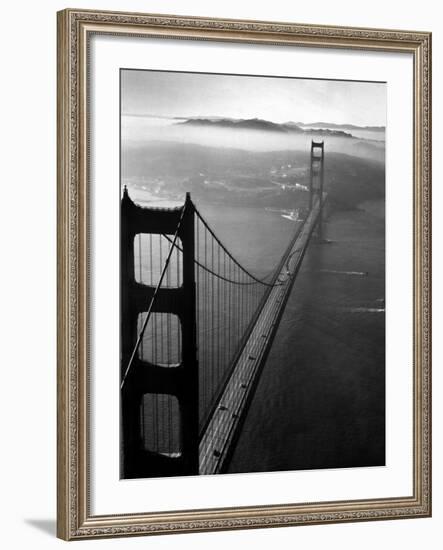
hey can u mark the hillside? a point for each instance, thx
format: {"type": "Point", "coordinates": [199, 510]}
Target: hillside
{"type": "Point", "coordinates": [232, 176]}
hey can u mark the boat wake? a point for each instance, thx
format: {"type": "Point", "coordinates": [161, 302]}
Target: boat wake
{"type": "Point", "coordinates": [354, 273]}
{"type": "Point", "coordinates": [364, 309]}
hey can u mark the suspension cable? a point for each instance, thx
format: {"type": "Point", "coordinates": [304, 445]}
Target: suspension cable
{"type": "Point", "coordinates": [227, 251]}
{"type": "Point", "coordinates": [223, 278]}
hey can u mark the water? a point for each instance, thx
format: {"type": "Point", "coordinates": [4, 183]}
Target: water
{"type": "Point", "coordinates": [320, 401]}
{"type": "Point", "coordinates": [255, 236]}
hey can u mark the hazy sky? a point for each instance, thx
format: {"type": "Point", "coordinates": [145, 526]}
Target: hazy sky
{"type": "Point", "coordinates": [174, 94]}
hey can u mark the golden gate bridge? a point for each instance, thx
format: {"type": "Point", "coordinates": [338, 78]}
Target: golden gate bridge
{"type": "Point", "coordinates": [196, 327]}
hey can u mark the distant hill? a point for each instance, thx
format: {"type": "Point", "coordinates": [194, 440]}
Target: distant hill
{"type": "Point", "coordinates": [339, 126]}
{"type": "Point", "coordinates": [326, 132]}
{"type": "Point", "coordinates": [259, 124]}
{"type": "Point", "coordinates": [245, 124]}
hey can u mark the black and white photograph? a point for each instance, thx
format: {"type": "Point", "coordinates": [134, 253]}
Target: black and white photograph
{"type": "Point", "coordinates": [252, 273]}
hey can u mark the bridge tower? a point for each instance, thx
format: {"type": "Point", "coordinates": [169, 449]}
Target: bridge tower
{"type": "Point", "coordinates": [316, 179]}
{"type": "Point", "coordinates": [144, 378]}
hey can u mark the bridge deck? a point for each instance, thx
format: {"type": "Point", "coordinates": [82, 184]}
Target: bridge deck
{"type": "Point", "coordinates": [217, 440]}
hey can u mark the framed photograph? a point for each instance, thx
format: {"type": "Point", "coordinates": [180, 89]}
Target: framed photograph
{"type": "Point", "coordinates": [243, 274]}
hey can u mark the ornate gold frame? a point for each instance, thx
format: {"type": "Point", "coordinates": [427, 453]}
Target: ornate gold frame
{"type": "Point", "coordinates": [73, 515]}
